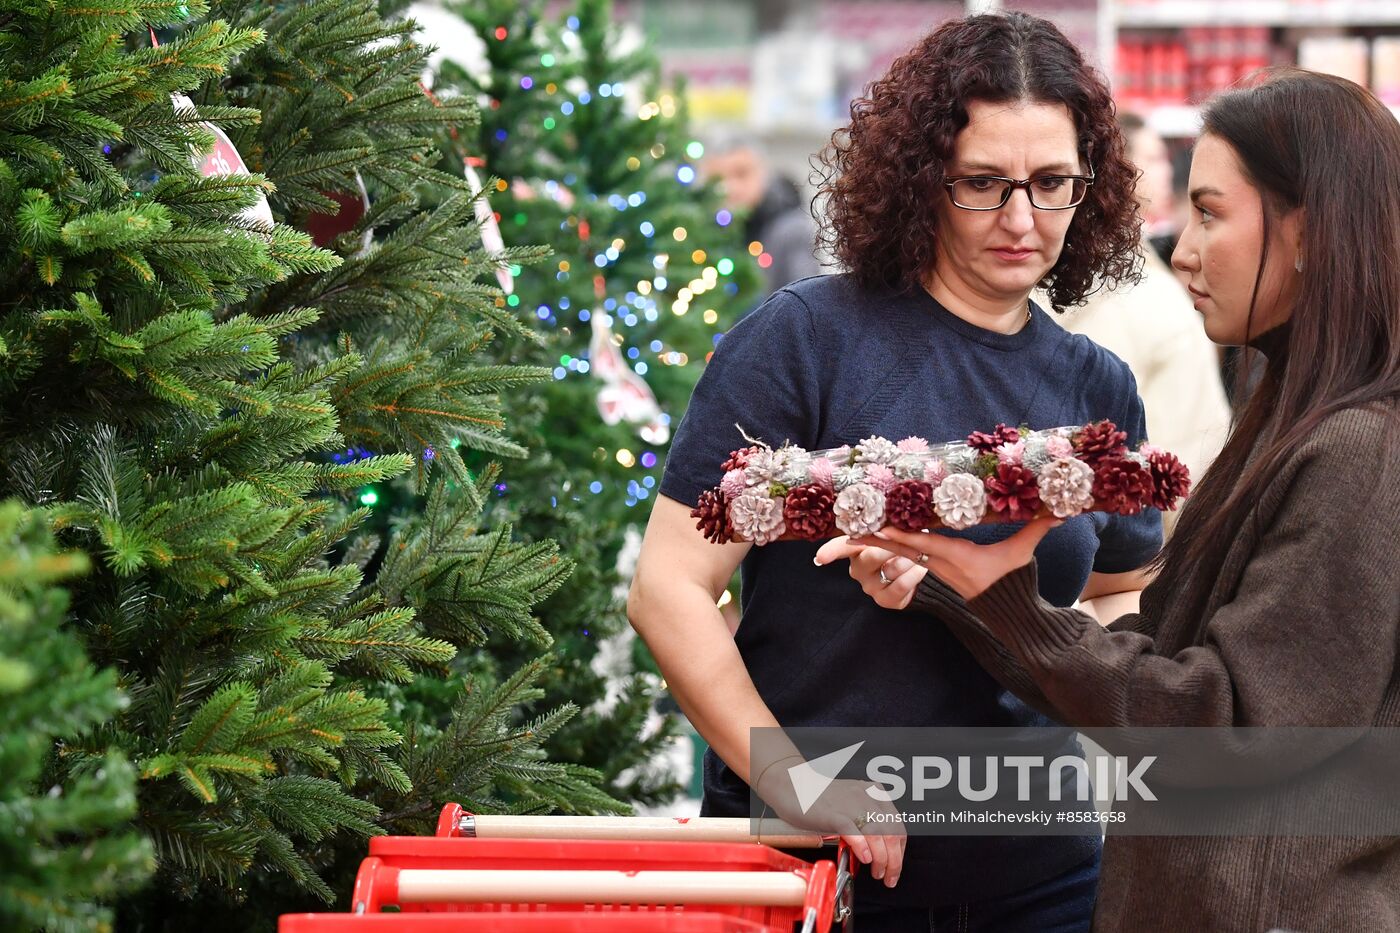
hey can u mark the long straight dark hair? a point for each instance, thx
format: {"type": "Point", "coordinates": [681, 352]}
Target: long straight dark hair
{"type": "Point", "coordinates": [1327, 146]}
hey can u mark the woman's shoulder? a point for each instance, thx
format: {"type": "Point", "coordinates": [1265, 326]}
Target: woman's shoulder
{"type": "Point", "coordinates": [1351, 458]}
{"type": "Point", "coordinates": [1093, 365]}
{"type": "Point", "coordinates": [1363, 436]}
{"type": "Point", "coordinates": [823, 297]}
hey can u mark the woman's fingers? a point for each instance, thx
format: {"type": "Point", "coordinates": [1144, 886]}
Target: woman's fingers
{"type": "Point", "coordinates": [899, 590]}
{"type": "Point", "coordinates": [1029, 537]}
{"type": "Point", "coordinates": [880, 856]}
{"type": "Point", "coordinates": [836, 549]}
{"type": "Point", "coordinates": [889, 544]}
{"type": "Point", "coordinates": [925, 542]}
{"type": "Point", "coordinates": [856, 840]}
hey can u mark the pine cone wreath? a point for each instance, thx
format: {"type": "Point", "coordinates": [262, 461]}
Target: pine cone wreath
{"type": "Point", "coordinates": [1013, 492]}
{"type": "Point", "coordinates": [1122, 486]}
{"type": "Point", "coordinates": [713, 517]}
{"type": "Point", "coordinates": [909, 506]}
{"type": "Point", "coordinates": [1171, 481]}
{"type": "Point", "coordinates": [1100, 441]}
{"type": "Point", "coordinates": [988, 443]}
{"type": "Point", "coordinates": [808, 512]}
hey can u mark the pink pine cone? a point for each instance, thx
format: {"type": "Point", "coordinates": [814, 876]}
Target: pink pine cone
{"type": "Point", "coordinates": [823, 473]}
{"type": "Point", "coordinates": [935, 472]}
{"type": "Point", "coordinates": [733, 484]}
{"type": "Point", "coordinates": [880, 476]}
{"type": "Point", "coordinates": [1011, 454]}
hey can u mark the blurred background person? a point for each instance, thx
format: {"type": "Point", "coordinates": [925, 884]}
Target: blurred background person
{"type": "Point", "coordinates": [769, 205]}
{"type": "Point", "coordinates": [1161, 222]}
{"type": "Point", "coordinates": [1154, 328]}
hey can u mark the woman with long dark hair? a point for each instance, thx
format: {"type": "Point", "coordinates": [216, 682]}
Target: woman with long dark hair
{"type": "Point", "coordinates": [987, 162]}
{"type": "Point", "coordinates": [1278, 599]}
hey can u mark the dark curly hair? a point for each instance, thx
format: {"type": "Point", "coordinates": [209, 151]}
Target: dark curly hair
{"type": "Point", "coordinates": [881, 177]}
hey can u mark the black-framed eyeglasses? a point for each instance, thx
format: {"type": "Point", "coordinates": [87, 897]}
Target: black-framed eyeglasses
{"type": "Point", "coordinates": [991, 192]}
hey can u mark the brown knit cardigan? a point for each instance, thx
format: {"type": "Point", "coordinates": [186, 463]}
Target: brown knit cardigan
{"type": "Point", "coordinates": [1301, 629]}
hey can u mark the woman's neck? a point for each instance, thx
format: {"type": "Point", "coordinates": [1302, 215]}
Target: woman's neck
{"type": "Point", "coordinates": [998, 316]}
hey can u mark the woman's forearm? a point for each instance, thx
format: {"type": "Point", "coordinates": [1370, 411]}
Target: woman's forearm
{"type": "Point", "coordinates": [695, 651]}
{"type": "Point", "coordinates": [1110, 606]}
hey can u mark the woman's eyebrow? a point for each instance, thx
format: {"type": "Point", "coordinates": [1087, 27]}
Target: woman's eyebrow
{"type": "Point", "coordinates": [1057, 168]}
{"type": "Point", "coordinates": [1206, 191]}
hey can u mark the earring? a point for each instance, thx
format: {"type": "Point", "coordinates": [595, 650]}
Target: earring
{"type": "Point", "coordinates": [1298, 263]}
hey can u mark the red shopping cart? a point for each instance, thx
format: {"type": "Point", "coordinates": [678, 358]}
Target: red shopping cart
{"type": "Point", "coordinates": [593, 873]}
{"type": "Point", "coordinates": [552, 922]}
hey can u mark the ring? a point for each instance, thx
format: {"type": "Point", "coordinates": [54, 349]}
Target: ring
{"type": "Point", "coordinates": [922, 558]}
{"type": "Point", "coordinates": [884, 580]}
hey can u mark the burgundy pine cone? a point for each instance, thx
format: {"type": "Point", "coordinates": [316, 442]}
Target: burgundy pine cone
{"type": "Point", "coordinates": [1013, 491]}
{"type": "Point", "coordinates": [808, 512]}
{"type": "Point", "coordinates": [714, 517]}
{"type": "Point", "coordinates": [909, 505]}
{"type": "Point", "coordinates": [988, 443]}
{"type": "Point", "coordinates": [1122, 486]}
{"type": "Point", "coordinates": [738, 459]}
{"type": "Point", "coordinates": [1171, 481]}
{"type": "Point", "coordinates": [1100, 441]}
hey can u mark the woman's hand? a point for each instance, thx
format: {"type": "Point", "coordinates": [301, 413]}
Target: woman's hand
{"type": "Point", "coordinates": [869, 825]}
{"type": "Point", "coordinates": [869, 561]}
{"type": "Point", "coordinates": [904, 556]}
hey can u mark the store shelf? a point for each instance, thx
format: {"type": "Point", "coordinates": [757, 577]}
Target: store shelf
{"type": "Point", "coordinates": [1278, 13]}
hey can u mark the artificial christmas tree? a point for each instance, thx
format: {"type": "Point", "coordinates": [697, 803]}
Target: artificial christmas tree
{"type": "Point", "coordinates": [178, 384]}
{"type": "Point", "coordinates": [648, 269]}
{"type": "Point", "coordinates": [60, 853]}
{"type": "Point", "coordinates": [598, 161]}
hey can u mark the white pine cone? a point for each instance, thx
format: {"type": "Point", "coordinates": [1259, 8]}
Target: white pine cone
{"type": "Point", "coordinates": [961, 460]}
{"type": "Point", "coordinates": [877, 450]}
{"type": "Point", "coordinates": [909, 466]}
{"type": "Point", "coordinates": [790, 466]}
{"type": "Point", "coordinates": [960, 501]}
{"type": "Point", "coordinates": [757, 518]}
{"type": "Point", "coordinates": [1066, 487]}
{"type": "Point", "coordinates": [848, 476]}
{"type": "Point", "coordinates": [760, 468]}
{"type": "Point", "coordinates": [860, 510]}
{"type": "Point", "coordinates": [1036, 455]}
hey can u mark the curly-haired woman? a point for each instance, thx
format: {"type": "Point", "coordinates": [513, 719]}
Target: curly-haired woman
{"type": "Point", "coordinates": [987, 162]}
{"type": "Point", "coordinates": [1278, 602]}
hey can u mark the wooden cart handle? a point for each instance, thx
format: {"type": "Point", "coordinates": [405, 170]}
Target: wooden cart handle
{"type": "Point", "coordinates": [773, 889]}
{"type": "Point", "coordinates": [773, 832]}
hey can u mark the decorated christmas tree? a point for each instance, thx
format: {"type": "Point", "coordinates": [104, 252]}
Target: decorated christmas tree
{"type": "Point", "coordinates": [61, 853]}
{"type": "Point", "coordinates": [208, 405]}
{"type": "Point", "coordinates": [595, 158]}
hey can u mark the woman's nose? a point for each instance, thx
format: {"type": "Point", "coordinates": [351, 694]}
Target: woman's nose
{"type": "Point", "coordinates": [1017, 214]}
{"type": "Point", "coordinates": [1184, 256]}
